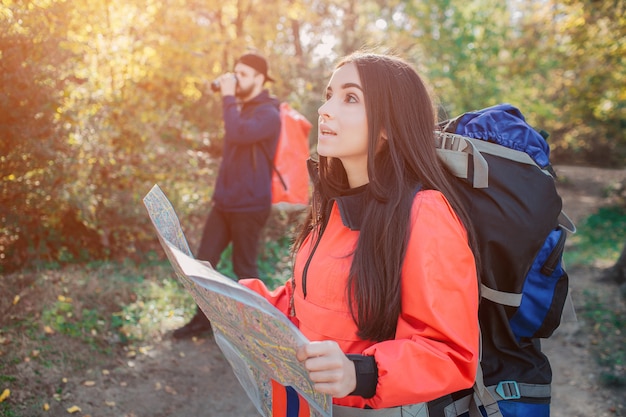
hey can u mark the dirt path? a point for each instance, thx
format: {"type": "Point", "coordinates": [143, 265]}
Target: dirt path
{"type": "Point", "coordinates": [191, 378]}
{"type": "Point", "coordinates": [575, 388]}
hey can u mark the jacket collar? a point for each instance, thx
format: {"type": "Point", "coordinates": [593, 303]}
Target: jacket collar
{"type": "Point", "coordinates": [351, 206]}
{"type": "Point", "coordinates": [350, 203]}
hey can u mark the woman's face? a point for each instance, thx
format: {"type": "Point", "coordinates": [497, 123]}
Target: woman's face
{"type": "Point", "coordinates": [342, 124]}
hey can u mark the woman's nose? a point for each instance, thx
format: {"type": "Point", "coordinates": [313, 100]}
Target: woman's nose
{"type": "Point", "coordinates": [323, 111]}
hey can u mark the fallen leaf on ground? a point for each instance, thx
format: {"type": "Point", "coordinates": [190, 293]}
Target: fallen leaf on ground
{"type": "Point", "coordinates": [145, 349]}
{"type": "Point", "coordinates": [5, 394]}
{"type": "Point", "coordinates": [73, 409]}
{"type": "Point", "coordinates": [89, 383]}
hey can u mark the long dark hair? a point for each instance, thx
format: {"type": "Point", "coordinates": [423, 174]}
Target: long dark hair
{"type": "Point", "coordinates": [398, 103]}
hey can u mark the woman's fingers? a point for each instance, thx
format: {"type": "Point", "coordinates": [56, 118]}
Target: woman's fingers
{"type": "Point", "coordinates": [329, 368]}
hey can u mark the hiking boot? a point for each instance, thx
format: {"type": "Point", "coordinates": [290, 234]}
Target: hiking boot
{"type": "Point", "coordinates": [198, 325]}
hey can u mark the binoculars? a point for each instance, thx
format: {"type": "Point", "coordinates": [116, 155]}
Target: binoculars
{"type": "Point", "coordinates": [215, 85]}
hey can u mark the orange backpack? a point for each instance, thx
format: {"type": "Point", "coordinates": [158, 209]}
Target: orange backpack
{"type": "Point", "coordinates": [290, 178]}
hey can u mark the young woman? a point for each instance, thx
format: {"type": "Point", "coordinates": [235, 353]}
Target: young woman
{"type": "Point", "coordinates": [385, 283]}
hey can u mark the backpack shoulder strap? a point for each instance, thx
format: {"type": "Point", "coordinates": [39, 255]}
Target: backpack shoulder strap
{"type": "Point", "coordinates": [274, 168]}
{"type": "Point", "coordinates": [454, 150]}
{"type": "Point", "coordinates": [482, 396]}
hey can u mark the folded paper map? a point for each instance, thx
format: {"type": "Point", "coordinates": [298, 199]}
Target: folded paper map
{"type": "Point", "coordinates": [257, 339]}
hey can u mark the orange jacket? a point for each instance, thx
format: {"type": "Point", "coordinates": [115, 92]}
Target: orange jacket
{"type": "Point", "coordinates": [435, 350]}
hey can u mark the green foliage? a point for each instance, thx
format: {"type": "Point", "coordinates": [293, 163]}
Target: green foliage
{"type": "Point", "coordinates": [141, 299]}
{"type": "Point", "coordinates": [607, 324]}
{"type": "Point", "coordinates": [62, 318]}
{"type": "Point", "coordinates": [592, 119]}
{"type": "Point", "coordinates": [103, 99]}
{"type": "Point", "coordinates": [156, 302]}
{"type": "Point", "coordinates": [455, 48]}
{"type": "Point", "coordinates": [275, 266]}
{"type": "Point", "coordinates": [599, 238]}
{"type": "Point", "coordinates": [7, 410]}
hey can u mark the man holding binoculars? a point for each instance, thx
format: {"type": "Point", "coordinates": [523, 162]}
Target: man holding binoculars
{"type": "Point", "coordinates": [242, 198]}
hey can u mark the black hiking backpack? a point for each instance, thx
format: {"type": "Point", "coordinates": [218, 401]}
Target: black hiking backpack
{"type": "Point", "coordinates": [508, 186]}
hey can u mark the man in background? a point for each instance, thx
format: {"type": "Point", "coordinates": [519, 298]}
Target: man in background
{"type": "Point", "coordinates": [242, 199]}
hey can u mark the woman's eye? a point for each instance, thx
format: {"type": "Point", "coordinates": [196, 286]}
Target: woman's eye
{"type": "Point", "coordinates": [351, 98]}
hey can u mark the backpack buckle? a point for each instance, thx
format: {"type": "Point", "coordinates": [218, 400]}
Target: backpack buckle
{"type": "Point", "coordinates": [508, 390]}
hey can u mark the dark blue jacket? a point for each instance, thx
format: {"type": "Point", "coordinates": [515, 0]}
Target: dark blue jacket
{"type": "Point", "coordinates": [244, 180]}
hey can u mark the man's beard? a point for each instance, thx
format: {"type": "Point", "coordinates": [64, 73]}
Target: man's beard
{"type": "Point", "coordinates": [243, 93]}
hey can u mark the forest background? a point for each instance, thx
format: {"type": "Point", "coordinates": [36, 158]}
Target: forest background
{"type": "Point", "coordinates": [101, 99]}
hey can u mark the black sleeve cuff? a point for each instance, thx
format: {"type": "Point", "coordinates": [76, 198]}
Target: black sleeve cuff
{"type": "Point", "coordinates": [366, 375]}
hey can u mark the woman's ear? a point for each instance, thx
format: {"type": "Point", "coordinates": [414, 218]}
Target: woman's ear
{"type": "Point", "coordinates": [382, 140]}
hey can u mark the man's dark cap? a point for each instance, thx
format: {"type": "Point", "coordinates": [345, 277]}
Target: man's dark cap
{"type": "Point", "coordinates": [257, 62]}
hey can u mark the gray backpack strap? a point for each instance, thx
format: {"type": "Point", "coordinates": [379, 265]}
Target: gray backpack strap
{"type": "Point", "coordinates": [412, 410]}
{"type": "Point", "coordinates": [482, 396]}
{"type": "Point", "coordinates": [454, 151]}
{"type": "Point", "coordinates": [566, 223]}
{"type": "Point", "coordinates": [504, 152]}
{"type": "Point", "coordinates": [512, 390]}
{"type": "Point", "coordinates": [501, 297]}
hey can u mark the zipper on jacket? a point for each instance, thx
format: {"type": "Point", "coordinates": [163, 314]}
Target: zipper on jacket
{"type": "Point", "coordinates": [305, 271]}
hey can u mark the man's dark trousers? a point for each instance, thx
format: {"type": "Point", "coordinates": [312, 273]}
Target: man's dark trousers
{"type": "Point", "coordinates": [243, 229]}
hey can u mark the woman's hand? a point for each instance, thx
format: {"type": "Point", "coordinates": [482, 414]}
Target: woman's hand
{"type": "Point", "coordinates": [329, 368]}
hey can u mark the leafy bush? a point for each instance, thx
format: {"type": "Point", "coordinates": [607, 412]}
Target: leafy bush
{"type": "Point", "coordinates": [599, 239]}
